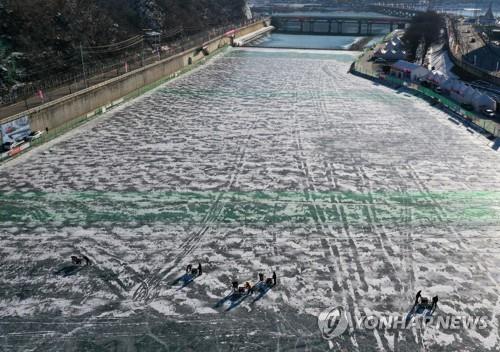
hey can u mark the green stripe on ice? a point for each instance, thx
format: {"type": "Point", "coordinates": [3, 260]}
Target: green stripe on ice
{"type": "Point", "coordinates": [267, 207]}
{"type": "Point", "coordinates": [302, 54]}
{"type": "Point", "coordinates": [259, 93]}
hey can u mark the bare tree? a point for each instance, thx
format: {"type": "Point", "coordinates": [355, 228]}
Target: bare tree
{"type": "Point", "coordinates": [425, 29]}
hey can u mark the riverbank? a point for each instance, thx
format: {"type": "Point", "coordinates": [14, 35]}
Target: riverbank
{"type": "Point", "coordinates": [472, 121]}
{"type": "Point", "coordinates": [312, 41]}
{"type": "Point", "coordinates": [360, 44]}
{"type": "Point", "coordinates": [70, 111]}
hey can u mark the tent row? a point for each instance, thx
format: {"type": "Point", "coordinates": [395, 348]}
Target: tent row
{"type": "Point", "coordinates": [459, 91]}
{"type": "Point", "coordinates": [393, 49]}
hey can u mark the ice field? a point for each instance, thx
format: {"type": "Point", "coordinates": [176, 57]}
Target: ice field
{"type": "Point", "coordinates": [355, 194]}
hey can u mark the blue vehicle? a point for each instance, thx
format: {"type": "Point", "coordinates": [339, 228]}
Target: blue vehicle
{"type": "Point", "coordinates": [422, 308]}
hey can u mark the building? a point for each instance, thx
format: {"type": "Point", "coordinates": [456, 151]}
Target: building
{"type": "Point", "coordinates": [408, 70]}
{"type": "Point", "coordinates": [488, 19]}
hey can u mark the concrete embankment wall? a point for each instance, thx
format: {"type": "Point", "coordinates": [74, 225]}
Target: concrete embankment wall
{"type": "Point", "coordinates": [471, 69]}
{"type": "Point", "coordinates": [244, 39]}
{"type": "Point", "coordinates": [98, 98]}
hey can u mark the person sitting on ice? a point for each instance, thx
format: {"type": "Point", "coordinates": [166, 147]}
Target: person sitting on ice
{"type": "Point", "coordinates": [261, 277]}
{"type": "Point", "coordinates": [235, 286]}
{"type": "Point", "coordinates": [193, 271]}
{"type": "Point", "coordinates": [249, 287]}
{"type": "Point", "coordinates": [423, 302]}
{"type": "Point", "coordinates": [87, 260]}
{"type": "Point", "coordinates": [246, 288]}
{"type": "Point", "coordinates": [78, 261]}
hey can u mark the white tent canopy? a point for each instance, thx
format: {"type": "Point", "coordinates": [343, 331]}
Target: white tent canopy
{"type": "Point", "coordinates": [404, 69]}
{"type": "Point", "coordinates": [469, 94]}
{"type": "Point", "coordinates": [393, 49]}
{"type": "Point", "coordinates": [435, 77]}
{"type": "Point", "coordinates": [447, 85]}
{"type": "Point", "coordinates": [485, 102]}
{"type": "Point", "coordinates": [465, 94]}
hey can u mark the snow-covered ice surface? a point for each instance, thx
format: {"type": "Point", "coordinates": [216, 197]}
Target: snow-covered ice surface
{"type": "Point", "coordinates": [262, 160]}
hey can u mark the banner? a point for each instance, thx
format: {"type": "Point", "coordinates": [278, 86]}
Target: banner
{"type": "Point", "coordinates": [41, 95]}
{"type": "Point", "coordinates": [15, 130]}
{"type": "Point", "coordinates": [18, 149]}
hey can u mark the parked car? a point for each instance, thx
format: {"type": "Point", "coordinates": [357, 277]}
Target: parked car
{"type": "Point", "coordinates": [380, 60]}
{"type": "Point", "coordinates": [33, 135]}
{"type": "Point", "coordinates": [488, 113]}
{"type": "Point", "coordinates": [11, 145]}
{"type": "Point", "coordinates": [438, 90]}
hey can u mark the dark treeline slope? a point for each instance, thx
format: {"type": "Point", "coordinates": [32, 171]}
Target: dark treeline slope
{"type": "Point", "coordinates": [47, 33]}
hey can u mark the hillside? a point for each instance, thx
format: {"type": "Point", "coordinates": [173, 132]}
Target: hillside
{"type": "Point", "coordinates": [42, 37]}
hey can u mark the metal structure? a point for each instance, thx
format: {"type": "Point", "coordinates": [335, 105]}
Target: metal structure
{"type": "Point", "coordinates": [399, 11]}
{"type": "Point", "coordinates": [333, 24]}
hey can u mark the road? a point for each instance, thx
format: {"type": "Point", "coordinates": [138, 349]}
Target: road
{"type": "Point", "coordinates": [475, 51]}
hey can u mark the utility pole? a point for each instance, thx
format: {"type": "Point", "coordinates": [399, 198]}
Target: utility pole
{"type": "Point", "coordinates": [142, 51]}
{"type": "Point", "coordinates": [159, 45]}
{"type": "Point", "coordinates": [83, 66]}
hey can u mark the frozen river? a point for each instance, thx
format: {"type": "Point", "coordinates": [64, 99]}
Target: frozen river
{"type": "Point", "coordinates": [356, 195]}
{"type": "Point", "coordinates": [304, 41]}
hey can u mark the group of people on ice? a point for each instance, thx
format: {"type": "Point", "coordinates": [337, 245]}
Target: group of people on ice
{"type": "Point", "coordinates": [79, 261]}
{"type": "Point", "coordinates": [248, 288]}
{"type": "Point", "coordinates": [261, 287]}
{"type": "Point", "coordinates": [423, 307]}
{"type": "Point", "coordinates": [194, 271]}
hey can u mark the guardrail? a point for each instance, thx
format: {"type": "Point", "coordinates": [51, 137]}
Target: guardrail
{"type": "Point", "coordinates": [252, 36]}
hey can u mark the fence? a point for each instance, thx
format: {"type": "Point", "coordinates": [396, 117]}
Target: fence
{"type": "Point", "coordinates": [57, 86]}
{"type": "Point", "coordinates": [470, 118]}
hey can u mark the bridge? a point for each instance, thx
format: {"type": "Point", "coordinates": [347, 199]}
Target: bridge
{"type": "Point", "coordinates": [337, 23]}
{"type": "Point", "coordinates": [407, 11]}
